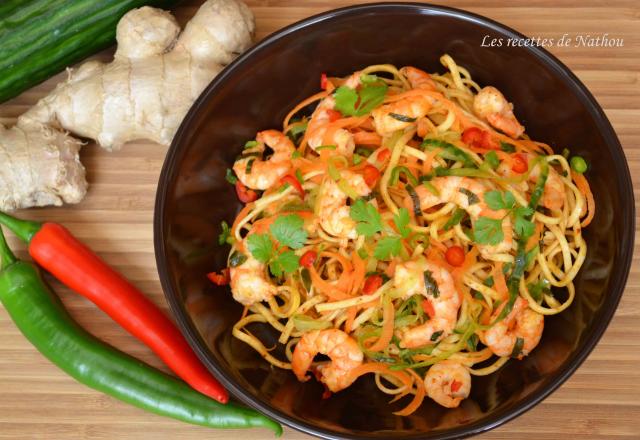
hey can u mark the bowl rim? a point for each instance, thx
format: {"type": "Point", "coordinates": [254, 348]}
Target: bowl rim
{"type": "Point", "coordinates": [609, 305]}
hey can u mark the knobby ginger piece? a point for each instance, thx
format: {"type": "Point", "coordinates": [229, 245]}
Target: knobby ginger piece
{"type": "Point", "coordinates": [154, 78]}
{"type": "Point", "coordinates": [156, 74]}
{"type": "Point", "coordinates": [39, 167]}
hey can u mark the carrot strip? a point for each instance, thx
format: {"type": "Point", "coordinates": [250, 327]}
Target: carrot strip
{"type": "Point", "coordinates": [302, 105]}
{"type": "Point", "coordinates": [367, 138]}
{"type": "Point", "coordinates": [499, 281]}
{"type": "Point", "coordinates": [377, 367]}
{"type": "Point", "coordinates": [388, 315]}
{"type": "Point", "coordinates": [241, 215]}
{"type": "Point", "coordinates": [585, 189]}
{"type": "Point", "coordinates": [418, 398]}
{"type": "Point", "coordinates": [330, 290]}
{"type": "Point", "coordinates": [351, 317]}
{"type": "Point", "coordinates": [359, 271]}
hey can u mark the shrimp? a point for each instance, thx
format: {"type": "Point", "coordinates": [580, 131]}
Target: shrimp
{"type": "Point", "coordinates": [321, 132]}
{"type": "Point", "coordinates": [448, 383]}
{"type": "Point", "coordinates": [419, 79]}
{"type": "Point", "coordinates": [521, 323]}
{"type": "Point", "coordinates": [263, 174]}
{"type": "Point", "coordinates": [342, 349]}
{"type": "Point", "coordinates": [492, 106]}
{"type": "Point", "coordinates": [249, 282]}
{"type": "Point", "coordinates": [554, 190]}
{"type": "Point", "coordinates": [410, 278]}
{"type": "Point", "coordinates": [468, 194]}
{"type": "Point", "coordinates": [400, 114]}
{"type": "Point", "coordinates": [332, 206]}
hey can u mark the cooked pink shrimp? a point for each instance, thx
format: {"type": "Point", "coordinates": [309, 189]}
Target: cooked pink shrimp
{"type": "Point", "coordinates": [332, 204]}
{"type": "Point", "coordinates": [491, 105]}
{"type": "Point", "coordinates": [319, 125]}
{"type": "Point", "coordinates": [521, 323]}
{"type": "Point", "coordinates": [419, 79]}
{"type": "Point", "coordinates": [468, 194]}
{"type": "Point", "coordinates": [250, 283]}
{"type": "Point", "coordinates": [554, 190]}
{"type": "Point", "coordinates": [448, 383]}
{"type": "Point", "coordinates": [400, 114]}
{"type": "Point", "coordinates": [263, 174]}
{"type": "Point", "coordinates": [410, 278]}
{"type": "Point", "coordinates": [342, 349]}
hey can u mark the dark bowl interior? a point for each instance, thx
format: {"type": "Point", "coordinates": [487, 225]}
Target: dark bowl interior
{"type": "Point", "coordinates": [257, 91]}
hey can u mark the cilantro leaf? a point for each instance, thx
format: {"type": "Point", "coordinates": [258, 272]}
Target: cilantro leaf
{"type": "Point", "coordinates": [488, 231]}
{"type": "Point", "coordinates": [353, 102]}
{"type": "Point", "coordinates": [387, 247]}
{"type": "Point", "coordinates": [523, 211]}
{"type": "Point", "coordinates": [289, 231]}
{"type": "Point", "coordinates": [498, 200]}
{"type": "Point", "coordinates": [222, 238]}
{"type": "Point", "coordinates": [286, 262]}
{"type": "Point", "coordinates": [523, 227]}
{"type": "Point", "coordinates": [402, 219]}
{"type": "Point", "coordinates": [507, 147]}
{"type": "Point", "coordinates": [367, 216]}
{"type": "Point", "coordinates": [261, 247]}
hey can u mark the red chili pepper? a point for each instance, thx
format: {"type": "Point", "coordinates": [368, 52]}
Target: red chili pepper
{"type": "Point", "coordinates": [323, 81]}
{"type": "Point", "coordinates": [383, 155]}
{"type": "Point", "coordinates": [427, 307]}
{"type": "Point", "coordinates": [455, 385]}
{"type": "Point", "coordinates": [371, 284]}
{"type": "Point", "coordinates": [293, 181]}
{"type": "Point", "coordinates": [334, 115]}
{"type": "Point", "coordinates": [308, 258]}
{"type": "Point", "coordinates": [371, 175]}
{"type": "Point", "coordinates": [221, 279]}
{"type": "Point", "coordinates": [478, 138]}
{"type": "Point", "coordinates": [455, 256]}
{"type": "Point", "coordinates": [519, 164]}
{"type": "Point", "coordinates": [246, 195]}
{"type": "Point", "coordinates": [54, 248]}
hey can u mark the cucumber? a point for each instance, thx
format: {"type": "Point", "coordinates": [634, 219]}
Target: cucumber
{"type": "Point", "coordinates": [39, 38]}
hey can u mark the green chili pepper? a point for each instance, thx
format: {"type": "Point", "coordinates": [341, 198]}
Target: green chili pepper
{"type": "Point", "coordinates": [40, 316]}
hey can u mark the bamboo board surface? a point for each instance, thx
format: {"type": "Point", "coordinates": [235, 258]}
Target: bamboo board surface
{"type": "Point", "coordinates": [601, 400]}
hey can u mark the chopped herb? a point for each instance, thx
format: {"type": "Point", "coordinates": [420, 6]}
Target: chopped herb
{"type": "Point", "coordinates": [224, 234]}
{"type": "Point", "coordinates": [249, 165]}
{"type": "Point", "coordinates": [430, 284]}
{"type": "Point", "coordinates": [432, 189]}
{"type": "Point", "coordinates": [498, 200]}
{"type": "Point", "coordinates": [367, 216]}
{"type": "Point", "coordinates": [395, 175]}
{"type": "Point", "coordinates": [236, 259]}
{"type": "Point", "coordinates": [306, 278]}
{"type": "Point", "coordinates": [289, 231]}
{"type": "Point", "coordinates": [455, 219]}
{"type": "Point", "coordinates": [436, 335]}
{"type": "Point", "coordinates": [299, 176]}
{"type": "Point", "coordinates": [251, 144]}
{"type": "Point", "coordinates": [507, 148]}
{"type": "Point", "coordinates": [402, 118]}
{"type": "Point", "coordinates": [363, 254]}
{"type": "Point", "coordinates": [472, 198]}
{"type": "Point", "coordinates": [362, 151]}
{"type": "Point", "coordinates": [539, 289]}
{"type": "Point", "coordinates": [352, 102]}
{"type": "Point", "coordinates": [296, 155]}
{"type": "Point", "coordinates": [449, 151]}
{"type": "Point", "coordinates": [472, 342]}
{"type": "Point", "coordinates": [286, 262]}
{"type": "Point", "coordinates": [491, 159]}
{"type": "Point", "coordinates": [488, 231]}
{"type": "Point", "coordinates": [524, 228]}
{"type": "Point", "coordinates": [489, 281]}
{"type": "Point", "coordinates": [261, 247]}
{"type": "Point", "coordinates": [402, 220]}
{"type": "Point", "coordinates": [517, 348]}
{"type": "Point", "coordinates": [230, 176]}
{"type": "Point", "coordinates": [386, 247]}
{"type": "Point", "coordinates": [417, 211]}
{"type": "Point", "coordinates": [531, 255]}
{"type": "Point", "coordinates": [357, 159]}
{"type": "Point", "coordinates": [296, 131]}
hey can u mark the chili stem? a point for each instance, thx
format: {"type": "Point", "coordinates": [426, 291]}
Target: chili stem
{"type": "Point", "coordinates": [23, 229]}
{"type": "Point", "coordinates": [6, 256]}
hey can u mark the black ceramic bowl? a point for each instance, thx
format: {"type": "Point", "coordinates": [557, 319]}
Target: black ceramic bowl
{"type": "Point", "coordinates": [256, 92]}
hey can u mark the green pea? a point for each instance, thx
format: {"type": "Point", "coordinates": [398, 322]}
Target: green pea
{"type": "Point", "coordinates": [578, 164]}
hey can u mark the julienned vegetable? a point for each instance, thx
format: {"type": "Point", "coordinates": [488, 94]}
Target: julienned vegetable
{"type": "Point", "coordinates": [40, 38]}
{"type": "Point", "coordinates": [56, 250]}
{"type": "Point", "coordinates": [43, 320]}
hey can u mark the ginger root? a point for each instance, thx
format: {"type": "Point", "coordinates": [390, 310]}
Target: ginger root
{"type": "Point", "coordinates": [156, 74]}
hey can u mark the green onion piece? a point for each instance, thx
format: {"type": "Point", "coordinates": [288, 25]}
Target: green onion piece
{"type": "Point", "coordinates": [333, 172]}
{"type": "Point", "coordinates": [236, 259]}
{"type": "Point", "coordinates": [578, 164]}
{"type": "Point", "coordinates": [325, 147]}
{"type": "Point", "coordinates": [430, 284]}
{"type": "Point", "coordinates": [418, 238]}
{"type": "Point", "coordinates": [449, 151]}
{"type": "Point", "coordinates": [250, 165]}
{"type": "Point", "coordinates": [402, 118]}
{"type": "Point", "coordinates": [436, 335]}
{"type": "Point", "coordinates": [417, 211]}
{"type": "Point", "coordinates": [566, 153]}
{"type": "Point", "coordinates": [296, 155]}
{"type": "Point", "coordinates": [362, 151]}
{"type": "Point", "coordinates": [491, 159]}
{"type": "Point", "coordinates": [472, 198]}
{"type": "Point", "coordinates": [455, 219]}
{"type": "Point", "coordinates": [432, 189]}
{"type": "Point", "coordinates": [463, 172]}
{"type": "Point", "coordinates": [230, 176]}
{"type": "Point", "coordinates": [489, 282]}
{"type": "Point", "coordinates": [346, 188]}
{"type": "Point", "coordinates": [306, 279]}
{"type": "Point", "coordinates": [395, 175]}
{"type": "Point", "coordinates": [363, 254]}
{"type": "Point", "coordinates": [357, 159]}
{"type": "Point", "coordinates": [299, 176]}
{"type": "Point", "coordinates": [304, 323]}
{"type": "Point", "coordinates": [251, 144]}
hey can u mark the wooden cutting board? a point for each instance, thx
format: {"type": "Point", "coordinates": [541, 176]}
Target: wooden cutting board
{"type": "Point", "coordinates": [601, 400]}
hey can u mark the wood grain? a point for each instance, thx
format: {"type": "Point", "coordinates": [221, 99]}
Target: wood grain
{"type": "Point", "coordinates": [600, 401]}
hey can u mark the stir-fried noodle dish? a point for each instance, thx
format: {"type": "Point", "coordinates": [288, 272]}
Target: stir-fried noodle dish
{"type": "Point", "coordinates": [402, 224]}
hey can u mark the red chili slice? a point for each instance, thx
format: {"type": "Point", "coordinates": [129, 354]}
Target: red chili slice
{"type": "Point", "coordinates": [371, 175]}
{"type": "Point", "coordinates": [371, 284]}
{"type": "Point", "coordinates": [245, 194]}
{"type": "Point", "coordinates": [455, 256]}
{"type": "Point", "coordinates": [323, 81]}
{"type": "Point", "coordinates": [293, 181]}
{"type": "Point", "coordinates": [221, 279]}
{"type": "Point", "coordinates": [334, 115]}
{"type": "Point", "coordinates": [427, 307]}
{"type": "Point", "coordinates": [383, 155]}
{"type": "Point", "coordinates": [308, 258]}
{"type": "Point", "coordinates": [519, 164]}
{"type": "Point", "coordinates": [455, 385]}
{"type": "Point", "coordinates": [479, 138]}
